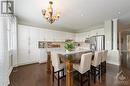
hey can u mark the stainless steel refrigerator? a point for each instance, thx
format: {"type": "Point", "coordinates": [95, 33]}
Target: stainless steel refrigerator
{"type": "Point", "coordinates": [97, 43]}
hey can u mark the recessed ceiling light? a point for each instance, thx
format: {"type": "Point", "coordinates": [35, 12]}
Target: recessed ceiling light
{"type": "Point", "coordinates": [119, 12]}
{"type": "Point", "coordinates": [82, 14]}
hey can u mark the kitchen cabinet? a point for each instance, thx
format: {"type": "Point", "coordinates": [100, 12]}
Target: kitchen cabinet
{"type": "Point", "coordinates": [23, 48]}
{"type": "Point", "coordinates": [28, 37]}
{"type": "Point", "coordinates": [80, 37]}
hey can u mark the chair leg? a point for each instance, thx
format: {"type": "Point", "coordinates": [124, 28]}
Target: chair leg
{"type": "Point", "coordinates": [94, 69]}
{"type": "Point", "coordinates": [78, 76]}
{"type": "Point", "coordinates": [58, 78]}
{"type": "Point", "coordinates": [105, 66]}
{"type": "Point", "coordinates": [63, 72]}
{"type": "Point", "coordinates": [81, 80]}
{"type": "Point", "coordinates": [99, 72]}
{"type": "Point", "coordinates": [53, 73]}
{"type": "Point", "coordinates": [89, 78]}
{"type": "Point", "coordinates": [101, 68]}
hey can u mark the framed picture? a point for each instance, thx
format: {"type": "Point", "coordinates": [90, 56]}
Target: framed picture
{"type": "Point", "coordinates": [7, 7]}
{"type": "Point", "coordinates": [41, 44]}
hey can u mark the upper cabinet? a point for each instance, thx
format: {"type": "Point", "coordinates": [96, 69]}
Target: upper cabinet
{"type": "Point", "coordinates": [80, 37]}
{"type": "Point", "coordinates": [70, 36]}
{"type": "Point", "coordinates": [97, 32]}
{"type": "Point", "coordinates": [47, 35]}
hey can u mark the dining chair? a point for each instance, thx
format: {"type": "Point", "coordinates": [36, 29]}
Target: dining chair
{"type": "Point", "coordinates": [84, 68]}
{"type": "Point", "coordinates": [96, 65]}
{"type": "Point", "coordinates": [58, 67]}
{"type": "Point", "coordinates": [103, 61]}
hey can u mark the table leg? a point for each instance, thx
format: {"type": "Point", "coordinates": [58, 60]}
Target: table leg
{"type": "Point", "coordinates": [48, 64]}
{"type": "Point", "coordinates": [49, 80]}
{"type": "Point", "coordinates": [69, 75]}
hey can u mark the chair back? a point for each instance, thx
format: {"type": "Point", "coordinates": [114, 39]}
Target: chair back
{"type": "Point", "coordinates": [85, 63]}
{"type": "Point", "coordinates": [97, 58]}
{"type": "Point", "coordinates": [104, 55]}
{"type": "Point", "coordinates": [55, 60]}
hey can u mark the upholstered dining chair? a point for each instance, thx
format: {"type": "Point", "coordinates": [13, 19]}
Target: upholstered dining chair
{"type": "Point", "coordinates": [84, 68]}
{"type": "Point", "coordinates": [96, 65]}
{"type": "Point", "coordinates": [103, 61]}
{"type": "Point", "coordinates": [58, 67]}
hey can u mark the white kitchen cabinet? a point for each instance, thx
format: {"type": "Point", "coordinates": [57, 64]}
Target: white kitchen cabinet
{"type": "Point", "coordinates": [80, 37]}
{"type": "Point", "coordinates": [97, 32]}
{"type": "Point", "coordinates": [42, 34]}
{"type": "Point", "coordinates": [33, 46]}
{"type": "Point", "coordinates": [28, 37]}
{"type": "Point", "coordinates": [23, 48]}
{"type": "Point", "coordinates": [28, 51]}
{"type": "Point", "coordinates": [70, 36]}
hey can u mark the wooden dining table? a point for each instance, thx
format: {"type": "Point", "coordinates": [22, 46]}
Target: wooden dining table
{"type": "Point", "coordinates": [69, 58]}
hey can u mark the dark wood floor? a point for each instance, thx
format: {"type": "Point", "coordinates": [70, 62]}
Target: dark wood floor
{"type": "Point", "coordinates": [35, 75]}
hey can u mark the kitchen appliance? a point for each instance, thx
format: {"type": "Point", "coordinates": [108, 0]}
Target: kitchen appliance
{"type": "Point", "coordinates": [97, 43]}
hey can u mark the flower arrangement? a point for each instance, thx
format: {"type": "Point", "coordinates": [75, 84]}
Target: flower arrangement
{"type": "Point", "coordinates": [69, 45]}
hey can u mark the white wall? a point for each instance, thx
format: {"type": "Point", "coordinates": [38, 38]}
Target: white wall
{"type": "Point", "coordinates": [28, 37]}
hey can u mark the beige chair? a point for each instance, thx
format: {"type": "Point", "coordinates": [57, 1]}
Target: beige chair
{"type": "Point", "coordinates": [96, 65]}
{"type": "Point", "coordinates": [58, 68]}
{"type": "Point", "coordinates": [84, 67]}
{"type": "Point", "coordinates": [103, 61]}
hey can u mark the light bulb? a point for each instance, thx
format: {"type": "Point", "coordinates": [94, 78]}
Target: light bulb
{"type": "Point", "coordinates": [58, 14]}
{"type": "Point", "coordinates": [44, 12]}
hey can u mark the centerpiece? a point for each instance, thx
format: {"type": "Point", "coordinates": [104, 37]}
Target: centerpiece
{"type": "Point", "coordinates": [69, 45]}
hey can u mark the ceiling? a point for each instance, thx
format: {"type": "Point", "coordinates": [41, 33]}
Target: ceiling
{"type": "Point", "coordinates": [76, 15]}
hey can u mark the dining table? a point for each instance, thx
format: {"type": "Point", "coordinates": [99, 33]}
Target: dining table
{"type": "Point", "coordinates": [69, 58]}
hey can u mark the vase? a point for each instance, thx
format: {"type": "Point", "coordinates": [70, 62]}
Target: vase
{"type": "Point", "coordinates": [67, 51]}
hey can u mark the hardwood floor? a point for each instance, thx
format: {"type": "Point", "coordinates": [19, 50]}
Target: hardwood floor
{"type": "Point", "coordinates": [36, 75]}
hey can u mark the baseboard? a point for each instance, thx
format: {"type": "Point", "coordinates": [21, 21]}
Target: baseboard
{"type": "Point", "coordinates": [42, 62]}
{"type": "Point", "coordinates": [9, 72]}
{"type": "Point", "coordinates": [25, 64]}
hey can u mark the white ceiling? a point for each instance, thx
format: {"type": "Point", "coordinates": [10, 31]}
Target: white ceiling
{"type": "Point", "coordinates": [76, 15]}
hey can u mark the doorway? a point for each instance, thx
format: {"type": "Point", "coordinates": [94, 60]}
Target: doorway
{"type": "Point", "coordinates": [128, 43]}
{"type": "Point", "coordinates": [125, 49]}
{"type": "Point", "coordinates": [128, 53]}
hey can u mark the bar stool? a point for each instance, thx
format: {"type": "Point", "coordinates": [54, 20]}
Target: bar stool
{"type": "Point", "coordinates": [96, 65]}
{"type": "Point", "coordinates": [84, 68]}
{"type": "Point", "coordinates": [58, 68]}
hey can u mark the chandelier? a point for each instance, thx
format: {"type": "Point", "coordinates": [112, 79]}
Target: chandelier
{"type": "Point", "coordinates": [48, 14]}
